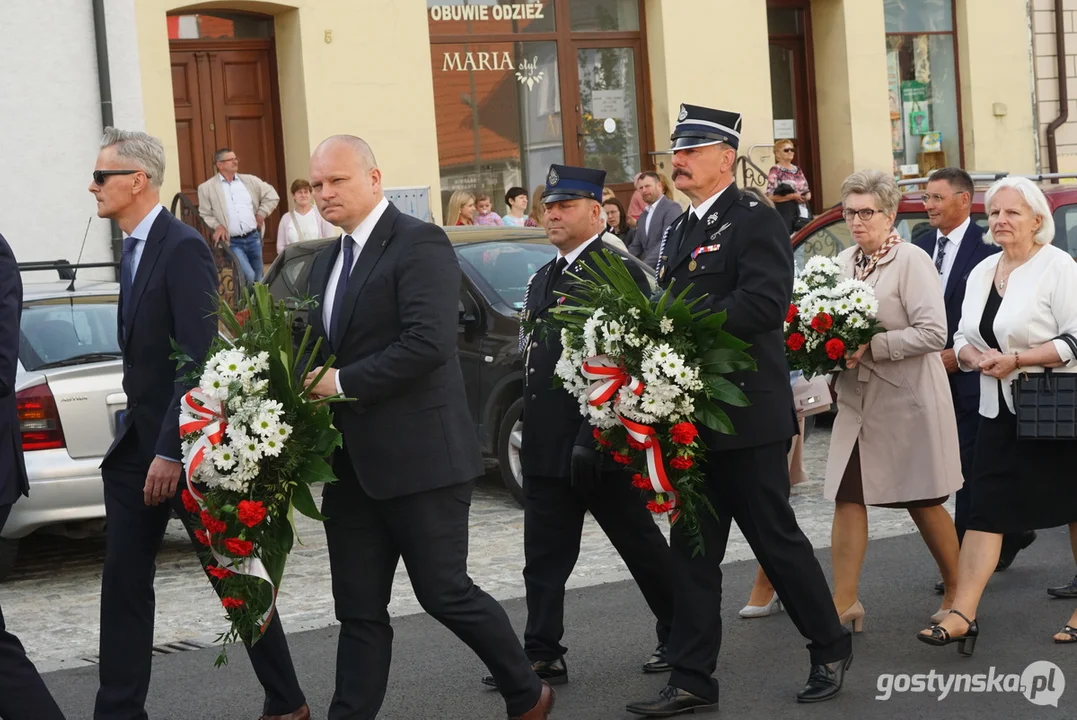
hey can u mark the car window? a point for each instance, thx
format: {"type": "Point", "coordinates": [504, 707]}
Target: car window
{"type": "Point", "coordinates": [68, 330]}
{"type": "Point", "coordinates": [506, 266]}
{"type": "Point", "coordinates": [292, 272]}
{"type": "Point", "coordinates": [1066, 229]}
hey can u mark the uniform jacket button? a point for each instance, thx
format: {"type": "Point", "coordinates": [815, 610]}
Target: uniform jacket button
{"type": "Point", "coordinates": [531, 371]}
{"type": "Point", "coordinates": [858, 391]}
{"type": "Point", "coordinates": [859, 419]}
{"type": "Point", "coordinates": [534, 345]}
{"type": "Point", "coordinates": [534, 397]}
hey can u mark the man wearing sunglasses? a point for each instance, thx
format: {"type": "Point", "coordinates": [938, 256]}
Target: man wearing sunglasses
{"type": "Point", "coordinates": [236, 207]}
{"type": "Point", "coordinates": [168, 286]}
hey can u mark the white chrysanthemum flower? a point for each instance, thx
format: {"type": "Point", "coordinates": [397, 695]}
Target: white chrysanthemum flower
{"type": "Point", "coordinates": [223, 457]}
{"type": "Point", "coordinates": [666, 325]}
{"type": "Point", "coordinates": [800, 288]}
{"type": "Point", "coordinates": [284, 431]}
{"type": "Point", "coordinates": [271, 447]}
{"type": "Point", "coordinates": [857, 321]}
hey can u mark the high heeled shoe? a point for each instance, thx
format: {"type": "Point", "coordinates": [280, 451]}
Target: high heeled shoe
{"type": "Point", "coordinates": [855, 615]}
{"type": "Point", "coordinates": [937, 617]}
{"type": "Point", "coordinates": [941, 636]}
{"type": "Point", "coordinates": [757, 611]}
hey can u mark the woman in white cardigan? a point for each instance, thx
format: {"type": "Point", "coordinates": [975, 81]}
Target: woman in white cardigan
{"type": "Point", "coordinates": [303, 222]}
{"type": "Point", "coordinates": [1017, 304]}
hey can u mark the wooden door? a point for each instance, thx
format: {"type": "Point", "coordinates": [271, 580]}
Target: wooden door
{"type": "Point", "coordinates": [225, 95]}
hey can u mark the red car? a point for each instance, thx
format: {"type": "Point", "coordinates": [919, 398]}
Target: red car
{"type": "Point", "coordinates": [827, 234]}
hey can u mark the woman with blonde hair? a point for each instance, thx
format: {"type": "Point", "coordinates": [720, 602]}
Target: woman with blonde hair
{"type": "Point", "coordinates": [537, 216]}
{"type": "Point", "coordinates": [894, 442]}
{"type": "Point", "coordinates": [1019, 316]}
{"type": "Point", "coordinates": [461, 209]}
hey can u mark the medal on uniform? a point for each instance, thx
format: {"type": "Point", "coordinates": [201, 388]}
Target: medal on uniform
{"type": "Point", "coordinates": [692, 265]}
{"type": "Point", "coordinates": [700, 250]}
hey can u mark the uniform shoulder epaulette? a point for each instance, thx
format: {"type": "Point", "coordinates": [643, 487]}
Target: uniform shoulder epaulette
{"type": "Point", "coordinates": [749, 200]}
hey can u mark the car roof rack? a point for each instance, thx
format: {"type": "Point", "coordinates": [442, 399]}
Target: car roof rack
{"type": "Point", "coordinates": [983, 177]}
{"type": "Point", "coordinates": [65, 269]}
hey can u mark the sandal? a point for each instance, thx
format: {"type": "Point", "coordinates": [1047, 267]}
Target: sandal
{"type": "Point", "coordinates": [1068, 630]}
{"type": "Point", "coordinates": [941, 636]}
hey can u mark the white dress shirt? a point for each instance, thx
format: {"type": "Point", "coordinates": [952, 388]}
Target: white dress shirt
{"type": "Point", "coordinates": [239, 205]}
{"type": "Point", "coordinates": [575, 254]}
{"type": "Point", "coordinates": [141, 233]}
{"type": "Point", "coordinates": [360, 235]}
{"type": "Point", "coordinates": [953, 244]}
{"type": "Point", "coordinates": [1039, 305]}
{"type": "Point", "coordinates": [650, 214]}
{"type": "Point", "coordinates": [704, 206]}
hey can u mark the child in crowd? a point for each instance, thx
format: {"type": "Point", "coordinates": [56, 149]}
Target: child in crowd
{"type": "Point", "coordinates": [485, 215]}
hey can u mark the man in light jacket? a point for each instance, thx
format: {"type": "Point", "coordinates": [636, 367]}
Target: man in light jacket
{"type": "Point", "coordinates": [652, 222]}
{"type": "Point", "coordinates": [236, 207]}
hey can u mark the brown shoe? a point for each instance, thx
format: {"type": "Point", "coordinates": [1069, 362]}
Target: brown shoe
{"type": "Point", "coordinates": [303, 713]}
{"type": "Point", "coordinates": [542, 708]}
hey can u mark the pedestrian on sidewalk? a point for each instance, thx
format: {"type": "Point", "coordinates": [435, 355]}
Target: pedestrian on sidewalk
{"type": "Point", "coordinates": [894, 442]}
{"type": "Point", "coordinates": [565, 477]}
{"type": "Point", "coordinates": [1019, 316]}
{"type": "Point", "coordinates": [410, 456]}
{"type": "Point", "coordinates": [734, 251]}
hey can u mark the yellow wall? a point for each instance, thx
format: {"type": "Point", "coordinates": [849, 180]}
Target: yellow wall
{"type": "Point", "coordinates": [995, 67]}
{"type": "Point", "coordinates": [372, 80]}
{"type": "Point", "coordinates": [712, 53]}
{"type": "Point", "coordinates": [851, 90]}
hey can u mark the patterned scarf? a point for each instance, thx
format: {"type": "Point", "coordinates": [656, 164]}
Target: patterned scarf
{"type": "Point", "coordinates": [865, 264]}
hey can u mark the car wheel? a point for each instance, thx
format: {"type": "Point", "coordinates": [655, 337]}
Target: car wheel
{"type": "Point", "coordinates": [509, 437]}
{"type": "Point", "coordinates": [9, 550]}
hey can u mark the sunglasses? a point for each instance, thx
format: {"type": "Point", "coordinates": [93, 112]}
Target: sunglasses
{"type": "Point", "coordinates": [789, 150]}
{"type": "Point", "coordinates": [100, 175]}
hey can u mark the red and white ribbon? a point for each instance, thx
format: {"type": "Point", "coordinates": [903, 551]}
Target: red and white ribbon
{"type": "Point", "coordinates": [202, 413]}
{"type": "Point", "coordinates": [609, 378]}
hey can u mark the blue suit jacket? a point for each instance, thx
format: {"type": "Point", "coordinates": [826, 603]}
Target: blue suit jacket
{"type": "Point", "coordinates": [174, 295]}
{"type": "Point", "coordinates": [965, 386]}
{"type": "Point", "coordinates": [12, 468]}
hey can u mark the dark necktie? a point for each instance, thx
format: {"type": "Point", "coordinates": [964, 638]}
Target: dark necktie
{"type": "Point", "coordinates": [689, 226]}
{"type": "Point", "coordinates": [555, 275]}
{"type": "Point", "coordinates": [940, 253]}
{"type": "Point", "coordinates": [342, 284]}
{"type": "Point", "coordinates": [127, 276]}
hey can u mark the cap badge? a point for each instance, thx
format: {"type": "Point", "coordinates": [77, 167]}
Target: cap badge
{"type": "Point", "coordinates": [553, 178]}
{"type": "Point", "coordinates": [683, 114]}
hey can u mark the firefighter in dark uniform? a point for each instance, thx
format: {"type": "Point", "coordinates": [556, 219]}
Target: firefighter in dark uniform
{"type": "Point", "coordinates": [735, 251]}
{"type": "Point", "coordinates": [564, 474]}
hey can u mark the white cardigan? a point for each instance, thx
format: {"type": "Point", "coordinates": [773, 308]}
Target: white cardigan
{"type": "Point", "coordinates": [1039, 305]}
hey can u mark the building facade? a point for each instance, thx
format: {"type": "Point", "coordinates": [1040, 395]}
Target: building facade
{"type": "Point", "coordinates": [482, 95]}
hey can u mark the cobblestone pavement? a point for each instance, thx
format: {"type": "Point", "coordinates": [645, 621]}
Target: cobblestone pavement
{"type": "Point", "coordinates": [52, 599]}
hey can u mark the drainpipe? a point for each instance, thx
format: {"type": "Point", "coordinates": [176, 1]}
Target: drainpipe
{"type": "Point", "coordinates": [104, 84]}
{"type": "Point", "coordinates": [1063, 95]}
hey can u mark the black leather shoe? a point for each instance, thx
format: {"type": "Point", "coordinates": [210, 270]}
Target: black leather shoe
{"type": "Point", "coordinates": [672, 701]}
{"type": "Point", "coordinates": [940, 588]}
{"type": "Point", "coordinates": [657, 663]}
{"type": "Point", "coordinates": [1010, 548]}
{"type": "Point", "coordinates": [1065, 591]}
{"type": "Point", "coordinates": [554, 672]}
{"type": "Point", "coordinates": [824, 681]}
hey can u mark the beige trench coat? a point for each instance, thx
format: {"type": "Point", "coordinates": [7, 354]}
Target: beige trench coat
{"type": "Point", "coordinates": [897, 402]}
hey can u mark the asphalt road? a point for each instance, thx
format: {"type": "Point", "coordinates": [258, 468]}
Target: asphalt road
{"type": "Point", "coordinates": [762, 666]}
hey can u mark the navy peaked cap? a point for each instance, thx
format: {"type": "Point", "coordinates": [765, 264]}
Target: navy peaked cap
{"type": "Point", "coordinates": [699, 126]}
{"type": "Point", "coordinates": [565, 182]}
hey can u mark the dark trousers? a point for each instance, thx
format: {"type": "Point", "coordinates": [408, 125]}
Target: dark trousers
{"type": "Point", "coordinates": [553, 527]}
{"type": "Point", "coordinates": [23, 695]}
{"type": "Point", "coordinates": [429, 530]}
{"type": "Point", "coordinates": [750, 486]}
{"type": "Point", "coordinates": [133, 537]}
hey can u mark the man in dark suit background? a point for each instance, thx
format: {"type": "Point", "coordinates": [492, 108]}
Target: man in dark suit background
{"type": "Point", "coordinates": [735, 252]}
{"type": "Point", "coordinates": [23, 695]}
{"type": "Point", "coordinates": [957, 246]}
{"type": "Point", "coordinates": [387, 295]}
{"type": "Point", "coordinates": [168, 290]}
{"type": "Point", "coordinates": [652, 222]}
{"type": "Point", "coordinates": [564, 475]}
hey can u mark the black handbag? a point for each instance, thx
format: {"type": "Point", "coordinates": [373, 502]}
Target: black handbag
{"type": "Point", "coordinates": [1045, 403]}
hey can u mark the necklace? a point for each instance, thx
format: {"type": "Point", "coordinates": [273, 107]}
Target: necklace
{"type": "Point", "coordinates": [1004, 277]}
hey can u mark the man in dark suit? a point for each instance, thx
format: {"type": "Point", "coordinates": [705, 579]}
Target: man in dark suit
{"type": "Point", "coordinates": [735, 252]}
{"type": "Point", "coordinates": [387, 295]}
{"type": "Point", "coordinates": [957, 246]}
{"type": "Point", "coordinates": [23, 695]}
{"type": "Point", "coordinates": [564, 474]}
{"type": "Point", "coordinates": [652, 222]}
{"type": "Point", "coordinates": [168, 287]}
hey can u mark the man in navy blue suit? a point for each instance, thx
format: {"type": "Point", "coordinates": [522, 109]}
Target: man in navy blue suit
{"type": "Point", "coordinates": [957, 246]}
{"type": "Point", "coordinates": [23, 696]}
{"type": "Point", "coordinates": [168, 290]}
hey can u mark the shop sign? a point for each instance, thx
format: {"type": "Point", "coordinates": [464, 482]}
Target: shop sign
{"type": "Point", "coordinates": [480, 13]}
{"type": "Point", "coordinates": [527, 72]}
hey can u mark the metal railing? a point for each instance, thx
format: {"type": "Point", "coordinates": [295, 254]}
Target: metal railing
{"type": "Point", "coordinates": [230, 280]}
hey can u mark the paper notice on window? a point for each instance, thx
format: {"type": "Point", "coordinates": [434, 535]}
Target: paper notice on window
{"type": "Point", "coordinates": [608, 104]}
{"type": "Point", "coordinates": [785, 129]}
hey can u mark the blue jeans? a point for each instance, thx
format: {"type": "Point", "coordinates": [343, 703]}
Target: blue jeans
{"type": "Point", "coordinates": [248, 251]}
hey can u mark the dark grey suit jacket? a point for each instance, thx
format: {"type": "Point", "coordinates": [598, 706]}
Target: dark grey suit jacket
{"type": "Point", "coordinates": [647, 241]}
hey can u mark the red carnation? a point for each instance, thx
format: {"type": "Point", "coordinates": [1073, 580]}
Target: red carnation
{"type": "Point", "coordinates": [242, 548]}
{"type": "Point", "coordinates": [213, 524]}
{"type": "Point", "coordinates": [597, 434]}
{"type": "Point", "coordinates": [641, 482]}
{"type": "Point", "coordinates": [231, 602]}
{"type": "Point", "coordinates": [189, 503]}
{"type": "Point", "coordinates": [834, 348]}
{"type": "Point", "coordinates": [659, 504]}
{"type": "Point", "coordinates": [681, 463]}
{"type": "Point", "coordinates": [202, 537]}
{"type": "Point", "coordinates": [218, 572]}
{"type": "Point", "coordinates": [623, 459]}
{"type": "Point", "coordinates": [795, 342]}
{"type": "Point", "coordinates": [822, 322]}
{"type": "Point", "coordinates": [251, 512]}
{"type": "Point", "coordinates": [243, 316]}
{"type": "Point", "coordinates": [792, 314]}
{"type": "Point", "coordinates": [684, 433]}
{"type": "Point", "coordinates": [635, 445]}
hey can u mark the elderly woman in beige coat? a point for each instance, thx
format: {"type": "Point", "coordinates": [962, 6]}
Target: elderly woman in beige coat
{"type": "Point", "coordinates": [894, 442]}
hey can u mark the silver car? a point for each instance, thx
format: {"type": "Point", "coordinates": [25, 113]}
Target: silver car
{"type": "Point", "coordinates": [69, 389]}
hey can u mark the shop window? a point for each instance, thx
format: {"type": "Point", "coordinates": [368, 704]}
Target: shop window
{"type": "Point", "coordinates": [483, 17]}
{"type": "Point", "coordinates": [608, 100]}
{"type": "Point", "coordinates": [603, 15]}
{"type": "Point", "coordinates": [904, 16]}
{"type": "Point", "coordinates": [208, 26]}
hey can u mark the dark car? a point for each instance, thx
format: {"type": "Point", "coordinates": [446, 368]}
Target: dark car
{"type": "Point", "coordinates": [497, 263]}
